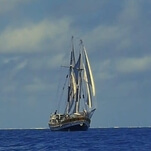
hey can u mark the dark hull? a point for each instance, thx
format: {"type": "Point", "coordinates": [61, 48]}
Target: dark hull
{"type": "Point", "coordinates": [84, 127]}
{"type": "Point", "coordinates": [77, 127]}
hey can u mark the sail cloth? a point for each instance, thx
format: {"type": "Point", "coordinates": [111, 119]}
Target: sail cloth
{"type": "Point", "coordinates": [77, 71]}
{"type": "Point", "coordinates": [72, 93]}
{"type": "Point", "coordinates": [89, 96]}
{"type": "Point", "coordinates": [89, 72]}
{"type": "Point", "coordinates": [75, 81]}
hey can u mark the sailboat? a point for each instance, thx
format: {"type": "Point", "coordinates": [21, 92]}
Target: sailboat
{"type": "Point", "coordinates": [79, 106]}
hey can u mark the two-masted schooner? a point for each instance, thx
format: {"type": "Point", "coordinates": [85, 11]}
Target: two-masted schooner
{"type": "Point", "coordinates": [80, 92]}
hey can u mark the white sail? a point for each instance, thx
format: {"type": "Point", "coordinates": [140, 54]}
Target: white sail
{"type": "Point", "coordinates": [89, 98]}
{"type": "Point", "coordinates": [73, 84]}
{"type": "Point", "coordinates": [72, 92]}
{"type": "Point", "coordinates": [89, 72]}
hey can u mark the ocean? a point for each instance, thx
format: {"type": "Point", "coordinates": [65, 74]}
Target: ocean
{"type": "Point", "coordinates": [95, 139]}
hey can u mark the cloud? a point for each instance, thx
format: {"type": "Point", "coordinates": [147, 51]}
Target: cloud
{"type": "Point", "coordinates": [7, 60]}
{"type": "Point", "coordinates": [114, 67]}
{"type": "Point", "coordinates": [109, 36]}
{"type": "Point", "coordinates": [21, 65]}
{"type": "Point", "coordinates": [7, 5]}
{"type": "Point", "coordinates": [105, 70]}
{"type": "Point", "coordinates": [130, 13]}
{"type": "Point", "coordinates": [11, 66]}
{"type": "Point", "coordinates": [130, 65]}
{"type": "Point", "coordinates": [34, 37]}
{"type": "Point", "coordinates": [46, 61]}
{"type": "Point", "coordinates": [38, 85]}
{"type": "Point", "coordinates": [128, 30]}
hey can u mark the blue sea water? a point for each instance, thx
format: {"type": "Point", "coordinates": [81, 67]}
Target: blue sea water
{"type": "Point", "coordinates": [97, 139]}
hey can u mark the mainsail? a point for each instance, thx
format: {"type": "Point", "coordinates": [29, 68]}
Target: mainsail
{"type": "Point", "coordinates": [89, 72]}
{"type": "Point", "coordinates": [79, 72]}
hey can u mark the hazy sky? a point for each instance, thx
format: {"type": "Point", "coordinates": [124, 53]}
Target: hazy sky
{"type": "Point", "coordinates": [35, 38]}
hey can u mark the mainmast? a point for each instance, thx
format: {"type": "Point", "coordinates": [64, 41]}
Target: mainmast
{"type": "Point", "coordinates": [72, 83]}
{"type": "Point", "coordinates": [78, 69]}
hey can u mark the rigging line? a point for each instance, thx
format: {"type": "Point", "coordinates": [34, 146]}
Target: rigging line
{"type": "Point", "coordinates": [58, 85]}
{"type": "Point", "coordinates": [59, 79]}
{"type": "Point", "coordinates": [62, 92]}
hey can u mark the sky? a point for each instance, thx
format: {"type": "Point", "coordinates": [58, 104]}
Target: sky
{"type": "Point", "coordinates": [35, 39]}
